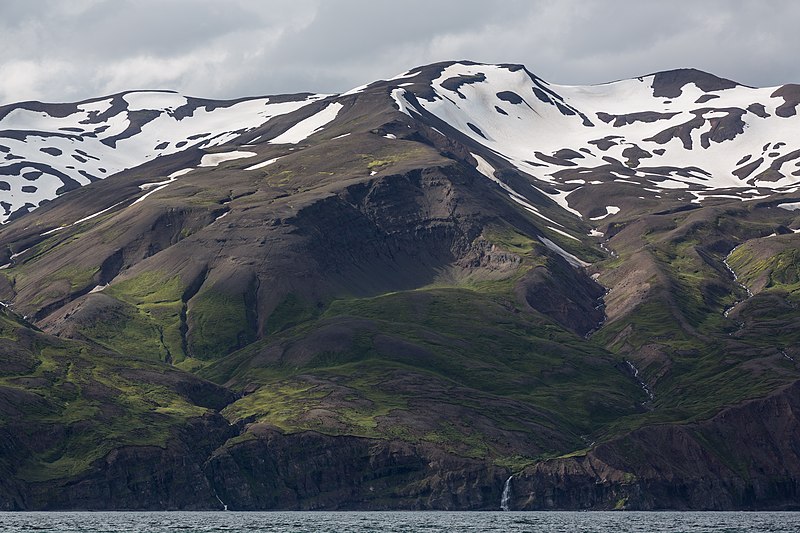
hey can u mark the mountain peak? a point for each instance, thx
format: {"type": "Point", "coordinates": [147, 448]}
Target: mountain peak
{"type": "Point", "coordinates": [669, 83]}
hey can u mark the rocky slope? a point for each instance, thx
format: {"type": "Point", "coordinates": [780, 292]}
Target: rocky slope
{"type": "Point", "coordinates": [400, 296]}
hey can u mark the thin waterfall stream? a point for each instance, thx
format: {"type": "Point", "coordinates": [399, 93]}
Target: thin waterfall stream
{"type": "Point", "coordinates": [506, 497]}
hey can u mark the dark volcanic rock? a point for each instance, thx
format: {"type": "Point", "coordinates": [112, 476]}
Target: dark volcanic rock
{"type": "Point", "coordinates": [141, 477]}
{"type": "Point", "coordinates": [454, 84]}
{"type": "Point", "coordinates": [746, 457]}
{"type": "Point", "coordinates": [758, 110]}
{"type": "Point", "coordinates": [577, 308]}
{"type": "Point", "coordinates": [510, 97]}
{"type": "Point", "coordinates": [791, 98]}
{"type": "Point", "coordinates": [631, 118]}
{"type": "Point", "coordinates": [311, 471]}
{"type": "Point", "coordinates": [669, 84]}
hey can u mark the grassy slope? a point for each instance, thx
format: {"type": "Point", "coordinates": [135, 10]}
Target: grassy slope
{"type": "Point", "coordinates": [694, 358]}
{"type": "Point", "coordinates": [391, 358]}
{"type": "Point", "coordinates": [68, 404]}
{"type": "Point", "coordinates": [460, 363]}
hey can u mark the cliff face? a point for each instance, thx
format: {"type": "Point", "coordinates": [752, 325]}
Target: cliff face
{"type": "Point", "coordinates": [140, 477]}
{"type": "Point", "coordinates": [743, 458]}
{"type": "Point", "coordinates": [313, 472]}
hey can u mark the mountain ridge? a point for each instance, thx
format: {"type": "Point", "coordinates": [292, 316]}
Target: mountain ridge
{"type": "Point", "coordinates": [401, 296]}
{"type": "Point", "coordinates": [668, 81]}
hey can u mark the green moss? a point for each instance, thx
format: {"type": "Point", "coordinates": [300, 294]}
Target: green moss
{"type": "Point", "coordinates": [289, 313]}
{"type": "Point", "coordinates": [218, 324]}
{"type": "Point", "coordinates": [86, 397]}
{"type": "Point", "coordinates": [78, 277]}
{"type": "Point", "coordinates": [378, 163]}
{"type": "Point", "coordinates": [577, 453]}
{"type": "Point", "coordinates": [150, 287]}
{"type": "Point", "coordinates": [780, 270]}
{"type": "Point", "coordinates": [280, 179]}
{"type": "Point", "coordinates": [128, 330]}
{"type": "Point", "coordinates": [515, 463]}
{"type": "Point", "coordinates": [513, 241]}
{"type": "Point", "coordinates": [391, 156]}
{"type": "Point", "coordinates": [151, 322]}
{"type": "Point", "coordinates": [473, 340]}
{"type": "Point", "coordinates": [460, 440]}
{"type": "Point", "coordinates": [281, 404]}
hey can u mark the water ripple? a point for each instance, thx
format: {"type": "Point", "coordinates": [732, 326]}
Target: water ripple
{"type": "Point", "coordinates": [401, 522]}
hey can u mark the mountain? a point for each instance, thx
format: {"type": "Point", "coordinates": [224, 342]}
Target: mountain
{"type": "Point", "coordinates": [455, 287]}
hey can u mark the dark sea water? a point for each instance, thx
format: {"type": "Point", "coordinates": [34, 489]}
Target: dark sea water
{"type": "Point", "coordinates": [399, 522]}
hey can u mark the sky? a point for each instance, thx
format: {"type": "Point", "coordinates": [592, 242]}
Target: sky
{"type": "Point", "coordinates": [68, 50]}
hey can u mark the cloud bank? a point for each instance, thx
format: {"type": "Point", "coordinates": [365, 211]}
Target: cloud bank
{"type": "Point", "coordinates": [66, 51]}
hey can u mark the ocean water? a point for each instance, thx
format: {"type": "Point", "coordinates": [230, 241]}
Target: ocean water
{"type": "Point", "coordinates": [400, 522]}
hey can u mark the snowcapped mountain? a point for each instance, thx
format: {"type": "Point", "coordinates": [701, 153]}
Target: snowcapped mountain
{"type": "Point", "coordinates": [460, 288]}
{"type": "Point", "coordinates": [685, 133]}
{"type": "Point", "coordinates": [682, 132]}
{"type": "Point", "coordinates": [49, 149]}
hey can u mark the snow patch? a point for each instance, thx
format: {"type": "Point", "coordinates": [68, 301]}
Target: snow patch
{"type": "Point", "coordinates": [610, 210]}
{"type": "Point", "coordinates": [564, 233]}
{"type": "Point", "coordinates": [398, 95]}
{"type": "Point", "coordinates": [560, 197]}
{"type": "Point", "coordinates": [144, 197]}
{"type": "Point", "coordinates": [487, 170]}
{"type": "Point", "coordinates": [106, 153]}
{"type": "Point", "coordinates": [93, 215]}
{"type": "Point", "coordinates": [212, 160]}
{"type": "Point", "coordinates": [672, 184]}
{"type": "Point", "coordinates": [263, 164]}
{"type": "Point", "coordinates": [180, 172]}
{"type": "Point", "coordinates": [406, 74]}
{"type": "Point", "coordinates": [356, 90]}
{"type": "Point", "coordinates": [52, 231]}
{"type": "Point", "coordinates": [571, 259]}
{"type": "Point", "coordinates": [148, 186]}
{"type": "Point", "coordinates": [14, 256]}
{"type": "Point", "coordinates": [309, 126]}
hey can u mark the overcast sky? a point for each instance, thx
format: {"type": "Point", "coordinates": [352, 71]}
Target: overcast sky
{"type": "Point", "coordinates": [66, 50]}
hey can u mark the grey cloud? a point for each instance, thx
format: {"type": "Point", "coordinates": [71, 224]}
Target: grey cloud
{"type": "Point", "coordinates": [56, 50]}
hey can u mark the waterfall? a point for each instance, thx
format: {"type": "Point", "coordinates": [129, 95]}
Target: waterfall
{"type": "Point", "coordinates": [728, 310]}
{"type": "Point", "coordinates": [224, 506]}
{"type": "Point", "coordinates": [642, 384]}
{"type": "Point", "coordinates": [504, 499]}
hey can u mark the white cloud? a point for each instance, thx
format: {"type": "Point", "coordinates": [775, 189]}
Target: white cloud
{"type": "Point", "coordinates": [30, 80]}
